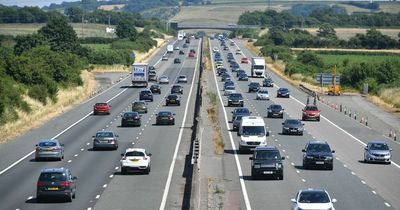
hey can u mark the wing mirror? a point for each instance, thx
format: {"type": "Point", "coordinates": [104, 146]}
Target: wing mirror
{"type": "Point", "coordinates": [149, 154]}
{"type": "Point", "coordinates": [366, 148]}
{"type": "Point", "coordinates": [251, 158]}
{"type": "Point", "coordinates": [333, 151]}
{"type": "Point", "coordinates": [293, 200]}
{"type": "Point", "coordinates": [303, 150]}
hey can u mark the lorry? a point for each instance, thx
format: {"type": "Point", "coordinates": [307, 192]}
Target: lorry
{"type": "Point", "coordinates": [170, 48]}
{"type": "Point", "coordinates": [181, 35]}
{"type": "Point", "coordinates": [252, 132]}
{"type": "Point", "coordinates": [257, 67]}
{"type": "Point", "coordinates": [139, 74]}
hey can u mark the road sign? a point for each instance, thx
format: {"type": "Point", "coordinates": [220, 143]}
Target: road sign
{"type": "Point", "coordinates": [326, 78]}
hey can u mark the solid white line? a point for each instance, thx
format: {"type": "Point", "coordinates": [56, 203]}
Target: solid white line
{"type": "Point", "coordinates": [105, 185]}
{"type": "Point", "coordinates": [362, 181]}
{"type": "Point", "coordinates": [90, 208]}
{"type": "Point", "coordinates": [30, 197]}
{"type": "Point", "coordinates": [69, 161]}
{"type": "Point", "coordinates": [111, 176]}
{"type": "Point", "coordinates": [239, 167]}
{"type": "Point", "coordinates": [171, 168]}
{"type": "Point", "coordinates": [303, 180]}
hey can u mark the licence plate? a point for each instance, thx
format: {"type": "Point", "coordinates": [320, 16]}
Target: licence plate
{"type": "Point", "coordinates": [104, 141]}
{"type": "Point", "coordinates": [134, 160]}
{"type": "Point", "coordinates": [319, 162]}
{"type": "Point", "coordinates": [52, 188]}
{"type": "Point", "coordinates": [268, 172]}
{"type": "Point", "coordinates": [172, 100]}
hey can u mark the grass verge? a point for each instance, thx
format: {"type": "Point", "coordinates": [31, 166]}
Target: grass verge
{"type": "Point", "coordinates": [212, 112]}
{"type": "Point", "coordinates": [206, 55]}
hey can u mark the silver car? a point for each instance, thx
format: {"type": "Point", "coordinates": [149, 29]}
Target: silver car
{"type": "Point", "coordinates": [105, 140]}
{"type": "Point", "coordinates": [182, 78]}
{"type": "Point", "coordinates": [49, 149]}
{"type": "Point", "coordinates": [163, 80]}
{"type": "Point", "coordinates": [377, 151]}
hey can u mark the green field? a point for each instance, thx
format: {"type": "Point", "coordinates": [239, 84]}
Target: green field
{"type": "Point", "coordinates": [97, 46]}
{"type": "Point", "coordinates": [338, 59]}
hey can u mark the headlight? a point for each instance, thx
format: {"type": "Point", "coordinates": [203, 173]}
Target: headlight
{"type": "Point", "coordinates": [229, 99]}
{"type": "Point", "coordinates": [269, 110]}
{"type": "Point", "coordinates": [281, 111]}
{"type": "Point", "coordinates": [257, 165]}
{"type": "Point", "coordinates": [278, 165]}
{"type": "Point", "coordinates": [309, 157]}
{"type": "Point", "coordinates": [328, 158]}
{"type": "Point", "coordinates": [300, 129]}
{"type": "Point", "coordinates": [286, 128]}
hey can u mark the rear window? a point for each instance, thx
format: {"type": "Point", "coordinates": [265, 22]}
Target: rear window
{"type": "Point", "coordinates": [53, 176]}
{"type": "Point", "coordinates": [48, 144]}
{"type": "Point", "coordinates": [101, 104]}
{"type": "Point", "coordinates": [104, 134]}
{"type": "Point", "coordinates": [311, 108]}
{"type": "Point", "coordinates": [164, 114]}
{"type": "Point", "coordinates": [135, 154]}
{"type": "Point", "coordinates": [172, 96]}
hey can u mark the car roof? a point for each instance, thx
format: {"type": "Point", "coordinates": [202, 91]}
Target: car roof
{"type": "Point", "coordinates": [48, 140]}
{"type": "Point", "coordinates": [131, 112]}
{"type": "Point", "coordinates": [313, 190]}
{"type": "Point", "coordinates": [105, 132]}
{"type": "Point", "coordinates": [267, 148]}
{"type": "Point", "coordinates": [377, 142]}
{"type": "Point", "coordinates": [135, 149]}
{"type": "Point", "coordinates": [49, 170]}
{"type": "Point", "coordinates": [317, 142]}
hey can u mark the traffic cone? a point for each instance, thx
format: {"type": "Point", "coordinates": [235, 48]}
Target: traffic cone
{"type": "Point", "coordinates": [390, 133]}
{"type": "Point", "coordinates": [366, 121]}
{"type": "Point", "coordinates": [362, 120]}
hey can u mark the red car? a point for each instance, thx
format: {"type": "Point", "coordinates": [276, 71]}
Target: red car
{"type": "Point", "coordinates": [191, 55]}
{"type": "Point", "coordinates": [311, 111]}
{"type": "Point", "coordinates": [245, 60]}
{"type": "Point", "coordinates": [101, 108]}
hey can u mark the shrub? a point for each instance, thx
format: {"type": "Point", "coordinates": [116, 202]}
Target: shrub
{"type": "Point", "coordinates": [38, 92]}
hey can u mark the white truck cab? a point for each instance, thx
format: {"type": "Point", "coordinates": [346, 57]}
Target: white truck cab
{"type": "Point", "coordinates": [252, 133]}
{"type": "Point", "coordinates": [258, 67]}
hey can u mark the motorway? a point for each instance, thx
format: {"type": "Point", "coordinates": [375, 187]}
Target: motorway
{"type": "Point", "coordinates": [99, 184]}
{"type": "Point", "coordinates": [354, 184]}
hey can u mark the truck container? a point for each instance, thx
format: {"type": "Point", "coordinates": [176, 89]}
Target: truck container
{"type": "Point", "coordinates": [170, 48]}
{"type": "Point", "coordinates": [257, 67]}
{"type": "Point", "coordinates": [140, 74]}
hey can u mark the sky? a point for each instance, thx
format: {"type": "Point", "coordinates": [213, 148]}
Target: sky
{"type": "Point", "coordinates": [39, 3]}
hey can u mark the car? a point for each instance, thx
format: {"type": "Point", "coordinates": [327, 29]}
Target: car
{"type": "Point", "coordinates": [172, 99]}
{"type": "Point", "coordinates": [164, 58]}
{"type": "Point", "coordinates": [377, 151]}
{"type": "Point", "coordinates": [254, 87]}
{"type": "Point", "coordinates": [177, 60]}
{"type": "Point", "coordinates": [221, 71]}
{"type": "Point", "coordinates": [192, 51]}
{"type": "Point", "coordinates": [244, 60]}
{"type": "Point", "coordinates": [226, 48]}
{"type": "Point", "coordinates": [238, 52]}
{"type": "Point", "coordinates": [135, 159]}
{"type": "Point", "coordinates": [235, 67]}
{"type": "Point", "coordinates": [181, 52]}
{"type": "Point", "coordinates": [56, 183]}
{"type": "Point", "coordinates": [185, 45]}
{"type": "Point", "coordinates": [163, 80]}
{"type": "Point", "coordinates": [318, 154]}
{"type": "Point", "coordinates": [275, 110]}
{"type": "Point", "coordinates": [152, 68]}
{"type": "Point", "coordinates": [152, 75]}
{"type": "Point", "coordinates": [105, 140]}
{"type": "Point", "coordinates": [241, 112]}
{"type": "Point", "coordinates": [262, 94]}
{"type": "Point", "coordinates": [229, 90]}
{"type": "Point", "coordinates": [225, 77]}
{"type": "Point", "coordinates": [266, 161]}
{"type": "Point", "coordinates": [232, 64]}
{"type": "Point", "coordinates": [267, 82]}
{"type": "Point", "coordinates": [243, 77]}
{"type": "Point", "coordinates": [239, 72]}
{"type": "Point", "coordinates": [176, 48]}
{"type": "Point", "coordinates": [292, 126]}
{"type": "Point", "coordinates": [236, 122]}
{"type": "Point", "coordinates": [215, 49]}
{"type": "Point", "coordinates": [311, 111]}
{"type": "Point", "coordinates": [101, 108]}
{"type": "Point", "coordinates": [49, 149]}
{"type": "Point", "coordinates": [130, 119]}
{"type": "Point", "coordinates": [187, 41]}
{"type": "Point", "coordinates": [283, 92]}
{"type": "Point", "coordinates": [182, 79]}
{"type": "Point", "coordinates": [313, 199]}
{"type": "Point", "coordinates": [177, 89]}
{"type": "Point", "coordinates": [165, 118]}
{"type": "Point", "coordinates": [228, 83]}
{"type": "Point", "coordinates": [235, 99]}
{"type": "Point", "coordinates": [139, 106]}
{"type": "Point", "coordinates": [146, 95]}
{"type": "Point", "coordinates": [219, 65]}
{"type": "Point", "coordinates": [191, 55]}
{"type": "Point", "coordinates": [232, 43]}
{"type": "Point", "coordinates": [155, 89]}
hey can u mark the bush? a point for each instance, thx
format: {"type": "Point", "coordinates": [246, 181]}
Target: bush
{"type": "Point", "coordinates": [96, 40]}
{"type": "Point", "coordinates": [111, 56]}
{"type": "Point", "coordinates": [38, 92]}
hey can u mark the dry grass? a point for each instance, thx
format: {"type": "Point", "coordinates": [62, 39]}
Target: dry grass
{"type": "Point", "coordinates": [212, 112]}
{"type": "Point", "coordinates": [41, 114]}
{"type": "Point", "coordinates": [391, 96]}
{"type": "Point", "coordinates": [206, 55]}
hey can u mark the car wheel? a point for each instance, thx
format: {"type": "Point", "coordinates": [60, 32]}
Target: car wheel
{"type": "Point", "coordinates": [330, 167]}
{"type": "Point", "coordinates": [254, 176]}
{"type": "Point", "coordinates": [147, 171]}
{"type": "Point", "coordinates": [74, 195]}
{"type": "Point", "coordinates": [280, 177]}
{"type": "Point", "coordinates": [94, 113]}
{"type": "Point", "coordinates": [318, 119]}
{"type": "Point", "coordinates": [303, 118]}
{"type": "Point", "coordinates": [241, 104]}
{"type": "Point", "coordinates": [283, 132]}
{"type": "Point", "coordinates": [60, 159]}
{"type": "Point", "coordinates": [282, 116]}
{"type": "Point", "coordinates": [173, 122]}
{"type": "Point", "coordinates": [166, 104]}
{"type": "Point", "coordinates": [301, 134]}
{"type": "Point", "coordinates": [268, 115]}
{"type": "Point", "coordinates": [123, 171]}
{"type": "Point", "coordinates": [39, 199]}
{"type": "Point", "coordinates": [305, 166]}
{"type": "Point", "coordinates": [69, 198]}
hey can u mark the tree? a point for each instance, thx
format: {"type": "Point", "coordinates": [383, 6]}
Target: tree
{"type": "Point", "coordinates": [74, 14]}
{"type": "Point", "coordinates": [126, 29]}
{"type": "Point", "coordinates": [310, 58]}
{"type": "Point", "coordinates": [326, 30]}
{"type": "Point", "coordinates": [27, 42]}
{"type": "Point", "coordinates": [60, 35]}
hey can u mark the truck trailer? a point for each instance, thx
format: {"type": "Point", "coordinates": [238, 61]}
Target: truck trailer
{"type": "Point", "coordinates": [140, 74]}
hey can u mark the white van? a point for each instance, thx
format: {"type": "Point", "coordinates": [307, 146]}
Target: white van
{"type": "Point", "coordinates": [252, 133]}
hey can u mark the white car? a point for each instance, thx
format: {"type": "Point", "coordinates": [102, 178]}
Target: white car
{"type": "Point", "coordinates": [238, 52]}
{"type": "Point", "coordinates": [182, 78]}
{"type": "Point", "coordinates": [313, 199]}
{"type": "Point", "coordinates": [262, 94]}
{"type": "Point", "coordinates": [163, 80]}
{"type": "Point", "coordinates": [215, 49]}
{"type": "Point", "coordinates": [135, 159]}
{"type": "Point", "coordinates": [164, 58]}
{"type": "Point", "coordinates": [176, 48]}
{"type": "Point", "coordinates": [229, 90]}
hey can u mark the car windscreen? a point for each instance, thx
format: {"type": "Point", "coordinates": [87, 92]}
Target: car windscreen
{"type": "Point", "coordinates": [276, 107]}
{"type": "Point", "coordinates": [101, 104]}
{"type": "Point", "coordinates": [131, 114]}
{"type": "Point", "coordinates": [313, 197]}
{"type": "Point", "coordinates": [267, 155]}
{"type": "Point", "coordinates": [263, 91]}
{"type": "Point", "coordinates": [48, 144]}
{"type": "Point", "coordinates": [378, 146]}
{"type": "Point", "coordinates": [173, 97]}
{"type": "Point", "coordinates": [258, 67]}
{"type": "Point", "coordinates": [253, 130]}
{"type": "Point", "coordinates": [241, 111]}
{"type": "Point", "coordinates": [139, 104]}
{"type": "Point", "coordinates": [235, 96]}
{"type": "Point", "coordinates": [230, 88]}
{"type": "Point", "coordinates": [164, 114]}
{"type": "Point", "coordinates": [311, 108]}
{"type": "Point", "coordinates": [284, 90]}
{"type": "Point", "coordinates": [53, 176]}
{"type": "Point", "coordinates": [134, 153]}
{"type": "Point", "coordinates": [104, 134]}
{"type": "Point", "coordinates": [318, 148]}
{"type": "Point", "coordinates": [292, 122]}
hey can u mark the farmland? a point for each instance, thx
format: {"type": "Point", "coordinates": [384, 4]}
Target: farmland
{"type": "Point", "coordinates": [331, 59]}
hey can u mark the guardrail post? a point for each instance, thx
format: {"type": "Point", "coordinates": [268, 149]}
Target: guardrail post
{"type": "Point", "coordinates": [349, 112]}
{"type": "Point", "coordinates": [366, 121]}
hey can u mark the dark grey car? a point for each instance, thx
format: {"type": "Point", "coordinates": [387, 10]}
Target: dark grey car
{"type": "Point", "coordinates": [292, 126]}
{"type": "Point", "coordinates": [56, 182]}
{"type": "Point", "coordinates": [267, 161]}
{"type": "Point", "coordinates": [377, 151]}
{"type": "Point", "coordinates": [105, 140]}
{"type": "Point", "coordinates": [139, 106]}
{"type": "Point", "coordinates": [49, 149]}
{"type": "Point", "coordinates": [275, 110]}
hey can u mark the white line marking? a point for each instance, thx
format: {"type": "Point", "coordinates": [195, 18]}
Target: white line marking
{"type": "Point", "coordinates": [111, 176]}
{"type": "Point", "coordinates": [97, 196]}
{"type": "Point", "coordinates": [345, 165]}
{"type": "Point", "coordinates": [82, 149]}
{"type": "Point", "coordinates": [88, 143]}
{"type": "Point", "coordinates": [362, 181]}
{"type": "Point", "coordinates": [283, 150]}
{"type": "Point", "coordinates": [171, 168]}
{"type": "Point", "coordinates": [69, 161]}
{"type": "Point", "coordinates": [90, 208]}
{"type": "Point", "coordinates": [387, 204]}
{"type": "Point", "coordinates": [303, 180]}
{"type": "Point", "coordinates": [352, 173]}
{"type": "Point", "coordinates": [337, 158]}
{"type": "Point", "coordinates": [297, 171]}
{"type": "Point", "coordinates": [373, 191]}
{"type": "Point", "coordinates": [116, 168]}
{"type": "Point", "coordinates": [292, 163]}
{"type": "Point", "coordinates": [30, 197]}
{"type": "Point", "coordinates": [105, 185]}
{"type": "Point", "coordinates": [76, 155]}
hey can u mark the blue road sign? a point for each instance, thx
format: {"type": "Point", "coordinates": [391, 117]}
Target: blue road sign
{"type": "Point", "coordinates": [326, 78]}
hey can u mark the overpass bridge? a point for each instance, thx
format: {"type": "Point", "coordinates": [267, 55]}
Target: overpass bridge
{"type": "Point", "coordinates": [229, 27]}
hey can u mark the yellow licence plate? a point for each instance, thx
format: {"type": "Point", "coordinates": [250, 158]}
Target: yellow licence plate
{"type": "Point", "coordinates": [135, 160]}
{"type": "Point", "coordinates": [52, 188]}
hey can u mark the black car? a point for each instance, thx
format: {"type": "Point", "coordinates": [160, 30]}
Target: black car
{"type": "Point", "coordinates": [236, 122]}
{"type": "Point", "coordinates": [239, 72]}
{"type": "Point", "coordinates": [173, 99]}
{"type": "Point", "coordinates": [243, 77]}
{"type": "Point", "coordinates": [230, 60]}
{"type": "Point", "coordinates": [292, 126]}
{"type": "Point", "coordinates": [240, 111]}
{"type": "Point", "coordinates": [152, 68]}
{"type": "Point", "coordinates": [283, 92]}
{"type": "Point", "coordinates": [177, 89]}
{"type": "Point", "coordinates": [165, 118]}
{"type": "Point", "coordinates": [131, 119]}
{"type": "Point", "coordinates": [235, 99]}
{"type": "Point", "coordinates": [181, 52]}
{"type": "Point", "coordinates": [254, 87]}
{"type": "Point", "coordinates": [318, 154]}
{"type": "Point", "coordinates": [155, 89]}
{"type": "Point", "coordinates": [267, 161]}
{"type": "Point", "coordinates": [56, 182]}
{"type": "Point", "coordinates": [226, 48]}
{"type": "Point", "coordinates": [221, 71]}
{"type": "Point", "coordinates": [225, 77]}
{"type": "Point", "coordinates": [146, 95]}
{"type": "Point", "coordinates": [177, 60]}
{"type": "Point", "coordinates": [275, 110]}
{"type": "Point", "coordinates": [267, 82]}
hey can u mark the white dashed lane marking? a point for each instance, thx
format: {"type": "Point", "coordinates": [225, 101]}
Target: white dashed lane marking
{"type": "Point", "coordinates": [97, 196]}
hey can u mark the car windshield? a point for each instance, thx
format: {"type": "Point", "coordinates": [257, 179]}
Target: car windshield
{"type": "Point", "coordinates": [313, 197]}
{"type": "Point", "coordinates": [292, 122]}
{"type": "Point", "coordinates": [276, 107]}
{"type": "Point", "coordinates": [242, 111]}
{"type": "Point", "coordinates": [131, 114]}
{"type": "Point", "coordinates": [48, 144]}
{"type": "Point", "coordinates": [182, 77]}
{"type": "Point", "coordinates": [54, 176]}
{"type": "Point", "coordinates": [267, 155]}
{"type": "Point", "coordinates": [284, 89]}
{"type": "Point", "coordinates": [139, 103]}
{"type": "Point", "coordinates": [135, 154]}
{"type": "Point", "coordinates": [172, 97]}
{"type": "Point", "coordinates": [230, 88]}
{"type": "Point", "coordinates": [155, 86]}
{"type": "Point", "coordinates": [163, 77]}
{"type": "Point", "coordinates": [311, 108]}
{"type": "Point", "coordinates": [258, 67]}
{"type": "Point", "coordinates": [263, 91]}
{"type": "Point", "coordinates": [379, 146]}
{"type": "Point", "coordinates": [101, 104]}
{"type": "Point", "coordinates": [145, 92]}
{"type": "Point", "coordinates": [253, 130]}
{"type": "Point", "coordinates": [164, 114]}
{"type": "Point", "coordinates": [236, 96]}
{"type": "Point", "coordinates": [104, 134]}
{"type": "Point", "coordinates": [254, 84]}
{"type": "Point", "coordinates": [318, 148]}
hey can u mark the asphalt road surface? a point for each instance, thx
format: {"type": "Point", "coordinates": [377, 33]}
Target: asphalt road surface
{"type": "Point", "coordinates": [99, 180]}
{"type": "Point", "coordinates": [355, 185]}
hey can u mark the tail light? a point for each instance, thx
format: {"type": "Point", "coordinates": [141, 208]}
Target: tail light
{"type": "Point", "coordinates": [65, 184]}
{"type": "Point", "coordinates": [56, 149]}
{"type": "Point", "coordinates": [41, 184]}
{"type": "Point", "coordinates": [171, 118]}
{"type": "Point", "coordinates": [144, 158]}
